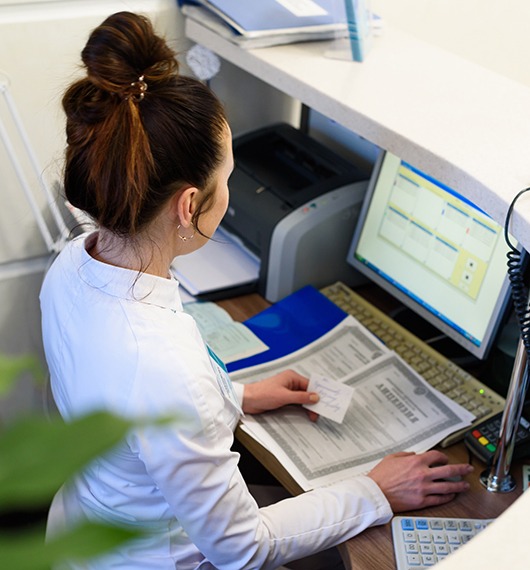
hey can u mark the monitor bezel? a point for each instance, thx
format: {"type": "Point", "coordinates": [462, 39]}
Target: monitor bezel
{"type": "Point", "coordinates": [498, 317]}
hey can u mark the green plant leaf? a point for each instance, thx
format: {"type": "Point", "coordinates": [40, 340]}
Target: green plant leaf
{"type": "Point", "coordinates": [29, 552]}
{"type": "Point", "coordinates": [37, 455]}
{"type": "Point", "coordinates": [11, 367]}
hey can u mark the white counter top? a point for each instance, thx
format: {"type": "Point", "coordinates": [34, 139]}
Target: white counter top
{"type": "Point", "coordinates": [465, 125]}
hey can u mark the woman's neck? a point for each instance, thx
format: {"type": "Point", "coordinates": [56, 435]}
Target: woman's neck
{"type": "Point", "coordinates": [140, 253]}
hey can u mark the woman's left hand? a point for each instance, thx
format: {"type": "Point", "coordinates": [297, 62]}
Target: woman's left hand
{"type": "Point", "coordinates": [287, 387]}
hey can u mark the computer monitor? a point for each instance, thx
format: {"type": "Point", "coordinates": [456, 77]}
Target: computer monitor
{"type": "Point", "coordinates": [435, 251]}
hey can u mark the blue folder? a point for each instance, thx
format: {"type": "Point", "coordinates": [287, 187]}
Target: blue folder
{"type": "Point", "coordinates": [290, 324]}
{"type": "Point", "coordinates": [269, 16]}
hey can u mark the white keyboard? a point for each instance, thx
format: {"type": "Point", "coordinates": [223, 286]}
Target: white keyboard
{"type": "Point", "coordinates": [421, 542]}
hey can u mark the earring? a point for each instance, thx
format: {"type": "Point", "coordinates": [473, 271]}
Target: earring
{"type": "Point", "coordinates": [185, 238]}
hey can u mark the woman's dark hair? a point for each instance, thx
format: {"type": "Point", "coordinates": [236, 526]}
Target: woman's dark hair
{"type": "Point", "coordinates": [137, 130]}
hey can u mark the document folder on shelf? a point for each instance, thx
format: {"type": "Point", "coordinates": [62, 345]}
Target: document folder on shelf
{"type": "Point", "coordinates": [290, 324]}
{"type": "Point", "coordinates": [270, 17]}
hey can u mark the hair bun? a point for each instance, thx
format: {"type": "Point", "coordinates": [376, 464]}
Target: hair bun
{"type": "Point", "coordinates": [128, 119]}
{"type": "Point", "coordinates": [124, 48]}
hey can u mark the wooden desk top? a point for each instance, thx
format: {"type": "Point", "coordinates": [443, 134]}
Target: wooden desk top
{"type": "Point", "coordinates": [373, 548]}
{"type": "Point", "coordinates": [243, 307]}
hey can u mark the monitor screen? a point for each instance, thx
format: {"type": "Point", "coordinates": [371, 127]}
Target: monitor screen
{"type": "Point", "coordinates": [434, 251]}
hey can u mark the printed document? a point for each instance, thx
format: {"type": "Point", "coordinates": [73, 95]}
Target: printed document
{"type": "Point", "coordinates": [229, 339]}
{"type": "Point", "coordinates": [392, 409]}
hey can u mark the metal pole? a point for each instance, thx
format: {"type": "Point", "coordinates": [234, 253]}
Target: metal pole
{"type": "Point", "coordinates": [497, 478]}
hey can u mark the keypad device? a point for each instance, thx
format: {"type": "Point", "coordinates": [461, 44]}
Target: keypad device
{"type": "Point", "coordinates": [421, 542]}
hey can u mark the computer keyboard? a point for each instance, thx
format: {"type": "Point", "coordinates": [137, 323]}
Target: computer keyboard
{"type": "Point", "coordinates": [421, 542]}
{"type": "Point", "coordinates": [435, 368]}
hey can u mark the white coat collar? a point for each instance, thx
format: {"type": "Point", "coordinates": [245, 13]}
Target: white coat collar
{"type": "Point", "coordinates": [125, 283]}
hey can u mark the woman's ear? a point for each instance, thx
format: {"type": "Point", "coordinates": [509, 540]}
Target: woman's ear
{"type": "Point", "coordinates": [184, 205]}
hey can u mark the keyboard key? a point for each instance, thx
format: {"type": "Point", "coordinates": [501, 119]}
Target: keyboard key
{"type": "Point", "coordinates": [407, 524]}
{"type": "Point", "coordinates": [429, 560]}
{"type": "Point", "coordinates": [450, 524]}
{"type": "Point", "coordinates": [427, 548]}
{"type": "Point", "coordinates": [465, 526]}
{"type": "Point", "coordinates": [422, 524]}
{"type": "Point", "coordinates": [413, 560]}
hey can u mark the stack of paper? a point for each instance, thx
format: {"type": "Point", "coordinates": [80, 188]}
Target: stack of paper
{"type": "Point", "coordinates": [219, 267]}
{"type": "Point", "coordinates": [270, 22]}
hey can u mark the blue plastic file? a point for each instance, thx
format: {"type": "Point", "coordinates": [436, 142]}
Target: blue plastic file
{"type": "Point", "coordinates": [267, 16]}
{"type": "Point", "coordinates": [290, 324]}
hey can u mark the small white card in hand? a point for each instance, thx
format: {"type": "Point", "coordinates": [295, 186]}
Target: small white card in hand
{"type": "Point", "coordinates": [335, 398]}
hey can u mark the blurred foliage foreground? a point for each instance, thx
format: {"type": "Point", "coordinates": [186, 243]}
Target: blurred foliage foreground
{"type": "Point", "coordinates": [37, 455]}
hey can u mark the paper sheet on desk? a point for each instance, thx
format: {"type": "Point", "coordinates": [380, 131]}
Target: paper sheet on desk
{"type": "Point", "coordinates": [393, 409]}
{"type": "Point", "coordinates": [222, 263]}
{"type": "Point", "coordinates": [229, 339]}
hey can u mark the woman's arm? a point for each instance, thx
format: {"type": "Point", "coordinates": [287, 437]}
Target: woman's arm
{"type": "Point", "coordinates": [408, 480]}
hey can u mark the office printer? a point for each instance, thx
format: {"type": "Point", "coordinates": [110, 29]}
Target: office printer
{"type": "Point", "coordinates": [294, 203]}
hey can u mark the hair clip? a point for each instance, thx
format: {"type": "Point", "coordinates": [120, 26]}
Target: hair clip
{"type": "Point", "coordinates": [141, 85]}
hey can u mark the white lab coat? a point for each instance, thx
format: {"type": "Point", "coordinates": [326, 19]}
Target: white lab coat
{"type": "Point", "coordinates": [119, 341]}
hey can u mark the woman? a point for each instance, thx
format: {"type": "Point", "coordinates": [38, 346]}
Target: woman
{"type": "Point", "coordinates": [148, 158]}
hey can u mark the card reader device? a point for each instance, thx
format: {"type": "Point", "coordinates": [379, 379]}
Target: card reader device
{"type": "Point", "coordinates": [294, 203]}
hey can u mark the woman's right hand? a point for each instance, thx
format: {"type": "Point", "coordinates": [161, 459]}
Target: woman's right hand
{"type": "Point", "coordinates": [412, 481]}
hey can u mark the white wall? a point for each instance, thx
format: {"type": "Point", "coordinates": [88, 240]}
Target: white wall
{"type": "Point", "coordinates": [487, 32]}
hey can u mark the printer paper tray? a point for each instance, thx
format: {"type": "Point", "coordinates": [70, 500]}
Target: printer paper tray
{"type": "Point", "coordinates": [222, 268]}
